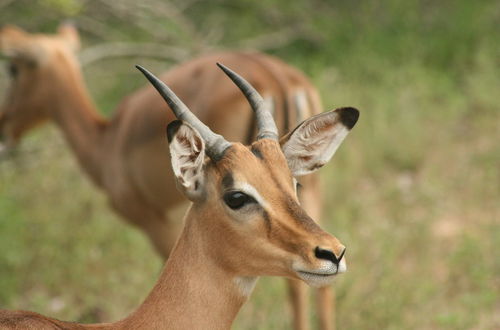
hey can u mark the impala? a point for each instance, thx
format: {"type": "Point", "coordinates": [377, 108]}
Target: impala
{"type": "Point", "coordinates": [123, 155]}
{"type": "Point", "coordinates": [245, 220]}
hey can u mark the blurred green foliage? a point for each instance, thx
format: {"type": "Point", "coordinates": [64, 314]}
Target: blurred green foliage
{"type": "Point", "coordinates": [413, 192]}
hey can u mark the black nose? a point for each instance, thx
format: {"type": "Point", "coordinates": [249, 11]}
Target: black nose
{"type": "Point", "coordinates": [328, 255]}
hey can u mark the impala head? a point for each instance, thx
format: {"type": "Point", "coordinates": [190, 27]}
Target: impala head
{"type": "Point", "coordinates": [246, 195]}
{"type": "Point", "coordinates": [36, 64]}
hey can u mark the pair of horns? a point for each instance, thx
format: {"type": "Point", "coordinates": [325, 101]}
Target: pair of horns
{"type": "Point", "coordinates": [215, 143]}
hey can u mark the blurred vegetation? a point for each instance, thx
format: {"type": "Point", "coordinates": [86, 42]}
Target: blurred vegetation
{"type": "Point", "coordinates": [414, 192]}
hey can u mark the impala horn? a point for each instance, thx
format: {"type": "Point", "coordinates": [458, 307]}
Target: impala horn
{"type": "Point", "coordinates": [266, 127]}
{"type": "Point", "coordinates": [216, 144]}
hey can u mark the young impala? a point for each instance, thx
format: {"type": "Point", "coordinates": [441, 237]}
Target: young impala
{"type": "Point", "coordinates": [123, 155]}
{"type": "Point", "coordinates": [245, 220]}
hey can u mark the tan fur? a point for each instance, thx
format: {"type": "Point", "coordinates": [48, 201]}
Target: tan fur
{"type": "Point", "coordinates": [198, 288]}
{"type": "Point", "coordinates": [125, 155]}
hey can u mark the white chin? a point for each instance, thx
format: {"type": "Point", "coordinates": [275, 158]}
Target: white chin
{"type": "Point", "coordinates": [316, 280]}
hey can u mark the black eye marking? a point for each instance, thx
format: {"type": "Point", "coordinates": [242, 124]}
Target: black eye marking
{"type": "Point", "coordinates": [228, 181]}
{"type": "Point", "coordinates": [257, 153]}
{"type": "Point", "coordinates": [237, 199]}
{"type": "Point", "coordinates": [267, 221]}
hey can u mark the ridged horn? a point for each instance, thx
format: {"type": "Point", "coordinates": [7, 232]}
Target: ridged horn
{"type": "Point", "coordinates": [266, 127]}
{"type": "Point", "coordinates": [215, 143]}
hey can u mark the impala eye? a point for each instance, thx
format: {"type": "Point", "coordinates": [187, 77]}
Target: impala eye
{"type": "Point", "coordinates": [237, 199]}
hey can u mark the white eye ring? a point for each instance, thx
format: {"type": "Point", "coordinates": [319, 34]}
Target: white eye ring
{"type": "Point", "coordinates": [248, 189]}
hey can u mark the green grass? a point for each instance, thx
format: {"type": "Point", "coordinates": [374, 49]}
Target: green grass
{"type": "Point", "coordinates": [62, 248]}
{"type": "Point", "coordinates": [413, 193]}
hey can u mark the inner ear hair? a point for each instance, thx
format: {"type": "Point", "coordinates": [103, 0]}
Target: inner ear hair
{"type": "Point", "coordinates": [187, 151]}
{"type": "Point", "coordinates": [312, 143]}
{"type": "Point", "coordinates": [172, 129]}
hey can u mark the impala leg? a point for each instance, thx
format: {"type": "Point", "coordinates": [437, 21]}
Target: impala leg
{"type": "Point", "coordinates": [325, 302]}
{"type": "Point", "coordinates": [300, 304]}
{"type": "Point", "coordinates": [310, 198]}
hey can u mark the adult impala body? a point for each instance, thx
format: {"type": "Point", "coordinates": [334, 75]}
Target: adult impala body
{"type": "Point", "coordinates": [124, 155]}
{"type": "Point", "coordinates": [245, 220]}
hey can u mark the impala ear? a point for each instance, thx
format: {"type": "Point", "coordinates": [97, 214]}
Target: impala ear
{"type": "Point", "coordinates": [314, 141]}
{"type": "Point", "coordinates": [15, 43]}
{"type": "Point", "coordinates": [187, 152]}
{"type": "Point", "coordinates": [70, 35]}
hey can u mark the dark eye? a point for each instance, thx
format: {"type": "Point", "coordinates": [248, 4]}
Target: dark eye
{"type": "Point", "coordinates": [237, 199]}
{"type": "Point", "coordinates": [12, 70]}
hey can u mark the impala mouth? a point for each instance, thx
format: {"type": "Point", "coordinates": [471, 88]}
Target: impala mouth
{"type": "Point", "coordinates": [322, 276]}
{"type": "Point", "coordinates": [316, 274]}
{"type": "Point", "coordinates": [317, 279]}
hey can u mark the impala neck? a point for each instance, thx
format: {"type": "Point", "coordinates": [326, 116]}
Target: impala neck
{"type": "Point", "coordinates": [193, 292]}
{"type": "Point", "coordinates": [73, 111]}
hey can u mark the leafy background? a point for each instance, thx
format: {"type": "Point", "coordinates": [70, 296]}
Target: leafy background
{"type": "Point", "coordinates": [414, 191]}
